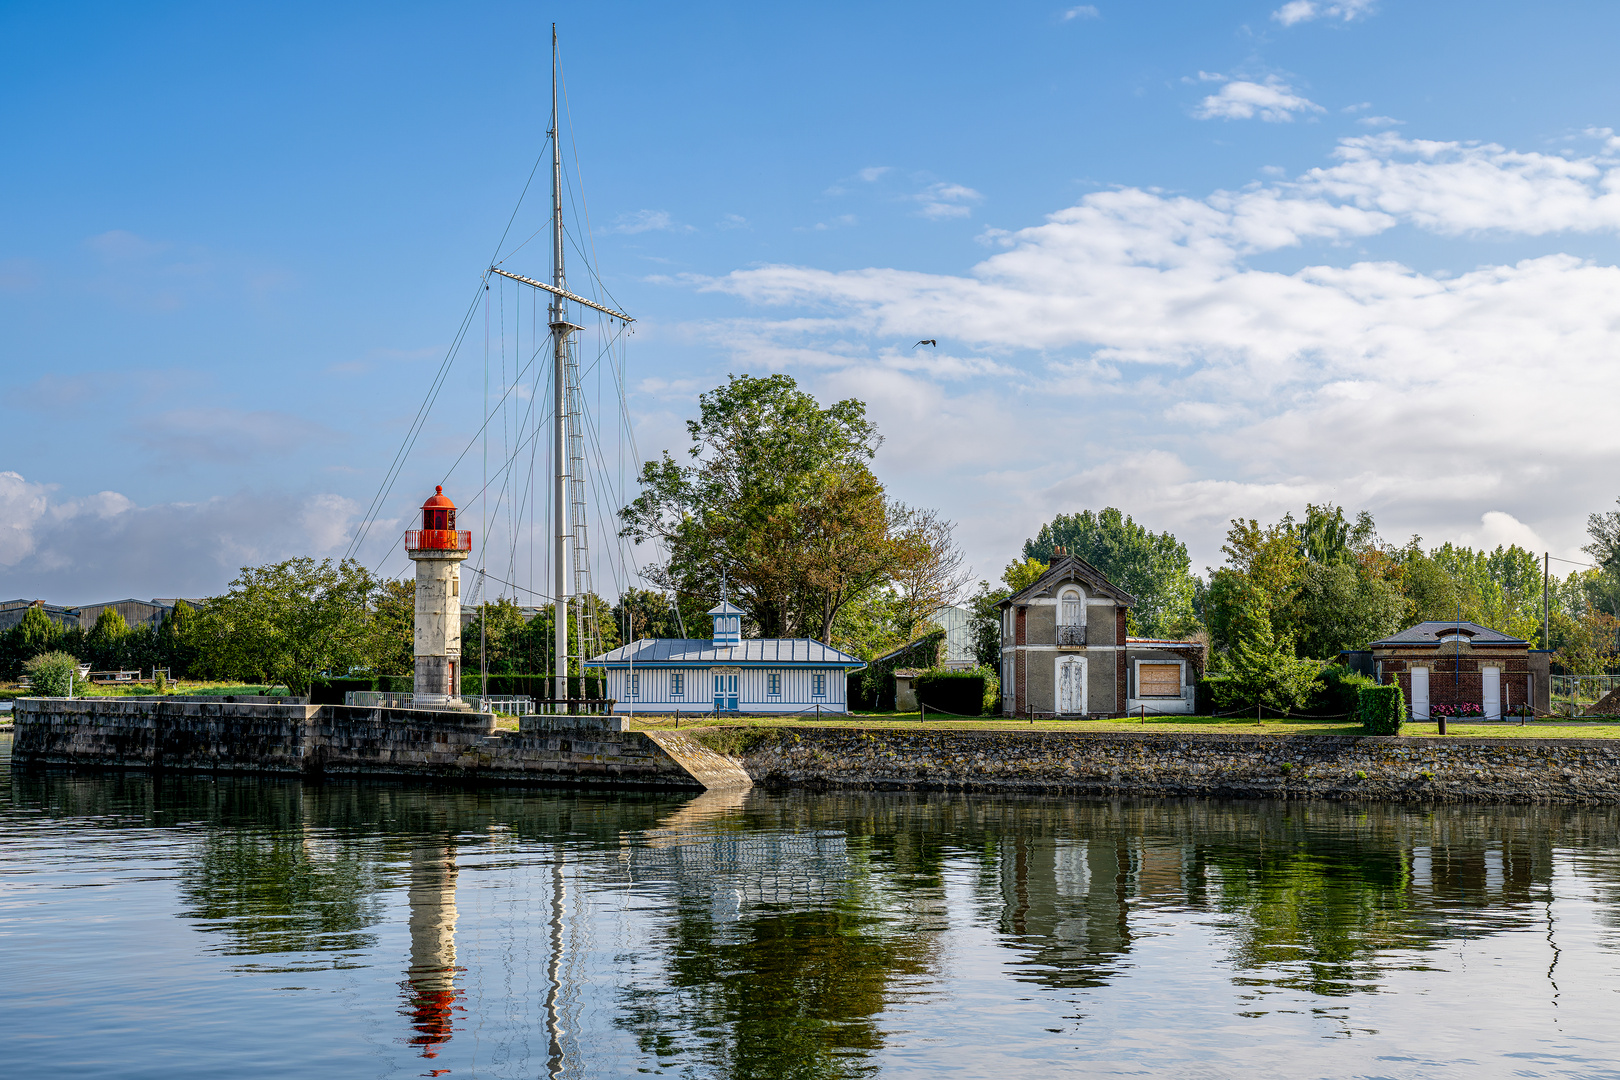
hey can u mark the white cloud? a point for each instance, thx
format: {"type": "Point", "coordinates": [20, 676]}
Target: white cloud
{"type": "Point", "coordinates": [1380, 121]}
{"type": "Point", "coordinates": [1141, 359]}
{"type": "Point", "coordinates": [1084, 11]}
{"type": "Point", "coordinates": [1298, 11]}
{"type": "Point", "coordinates": [1273, 101]}
{"type": "Point", "coordinates": [940, 201]}
{"type": "Point", "coordinates": [648, 221]}
{"type": "Point", "coordinates": [78, 550]}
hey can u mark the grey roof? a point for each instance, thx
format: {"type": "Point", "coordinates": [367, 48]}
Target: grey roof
{"type": "Point", "coordinates": [1428, 633]}
{"type": "Point", "coordinates": [1071, 568]}
{"type": "Point", "coordinates": [725, 607]}
{"type": "Point", "coordinates": [701, 651]}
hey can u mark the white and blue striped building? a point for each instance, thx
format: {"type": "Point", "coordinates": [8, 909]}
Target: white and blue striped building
{"type": "Point", "coordinates": [728, 673]}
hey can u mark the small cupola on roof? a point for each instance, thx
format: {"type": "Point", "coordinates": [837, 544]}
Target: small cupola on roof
{"type": "Point", "coordinates": [727, 624]}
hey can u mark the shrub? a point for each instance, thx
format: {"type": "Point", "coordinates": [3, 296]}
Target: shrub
{"type": "Point", "coordinates": [960, 692]}
{"type": "Point", "coordinates": [53, 674]}
{"type": "Point", "coordinates": [1381, 709]}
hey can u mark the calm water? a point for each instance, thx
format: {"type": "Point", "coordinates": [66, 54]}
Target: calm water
{"type": "Point", "coordinates": [247, 928]}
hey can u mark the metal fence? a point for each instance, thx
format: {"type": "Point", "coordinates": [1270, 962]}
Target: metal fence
{"type": "Point", "coordinates": [1577, 690]}
{"type": "Point", "coordinates": [379, 699]}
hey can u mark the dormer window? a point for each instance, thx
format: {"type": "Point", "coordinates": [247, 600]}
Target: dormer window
{"type": "Point", "coordinates": [1454, 633]}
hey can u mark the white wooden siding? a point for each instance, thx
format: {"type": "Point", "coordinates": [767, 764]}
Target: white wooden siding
{"type": "Point", "coordinates": [798, 686]}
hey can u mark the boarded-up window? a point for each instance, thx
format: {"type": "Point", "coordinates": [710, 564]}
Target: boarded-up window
{"type": "Point", "coordinates": [1159, 680]}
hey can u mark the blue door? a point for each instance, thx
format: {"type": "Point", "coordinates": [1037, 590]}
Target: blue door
{"type": "Point", "coordinates": [725, 693]}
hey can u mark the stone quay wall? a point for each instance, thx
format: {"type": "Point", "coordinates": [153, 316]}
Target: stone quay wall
{"type": "Point", "coordinates": [1366, 768]}
{"type": "Point", "coordinates": [340, 740]}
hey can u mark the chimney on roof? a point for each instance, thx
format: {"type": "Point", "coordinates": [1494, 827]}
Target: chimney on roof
{"type": "Point", "coordinates": [1058, 551]}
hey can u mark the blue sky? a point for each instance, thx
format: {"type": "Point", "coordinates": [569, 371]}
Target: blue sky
{"type": "Point", "coordinates": [1194, 260]}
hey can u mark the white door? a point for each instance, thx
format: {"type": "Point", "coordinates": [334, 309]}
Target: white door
{"type": "Point", "coordinates": [1491, 678]}
{"type": "Point", "coordinates": [1420, 693]}
{"type": "Point", "coordinates": [1071, 686]}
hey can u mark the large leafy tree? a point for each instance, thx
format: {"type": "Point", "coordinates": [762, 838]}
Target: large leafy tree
{"type": "Point", "coordinates": [777, 497]}
{"type": "Point", "coordinates": [288, 622]}
{"type": "Point", "coordinates": [1153, 567]}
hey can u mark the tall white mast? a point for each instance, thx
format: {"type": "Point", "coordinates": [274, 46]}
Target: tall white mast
{"type": "Point", "coordinates": [560, 331]}
{"type": "Point", "coordinates": [567, 439]}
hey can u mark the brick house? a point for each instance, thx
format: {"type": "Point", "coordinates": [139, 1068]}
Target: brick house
{"type": "Point", "coordinates": [1453, 663]}
{"type": "Point", "coordinates": [1064, 651]}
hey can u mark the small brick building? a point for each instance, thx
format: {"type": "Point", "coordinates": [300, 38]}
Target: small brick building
{"type": "Point", "coordinates": [1455, 663]}
{"type": "Point", "coordinates": [1064, 651]}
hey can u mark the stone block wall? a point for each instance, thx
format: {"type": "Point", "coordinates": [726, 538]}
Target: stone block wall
{"type": "Point", "coordinates": [341, 740]}
{"type": "Point", "coordinates": [1426, 769]}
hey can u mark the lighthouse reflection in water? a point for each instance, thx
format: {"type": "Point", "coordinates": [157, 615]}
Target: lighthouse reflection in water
{"type": "Point", "coordinates": [432, 997]}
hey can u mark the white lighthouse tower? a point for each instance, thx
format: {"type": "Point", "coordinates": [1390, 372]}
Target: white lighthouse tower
{"type": "Point", "coordinates": [438, 549]}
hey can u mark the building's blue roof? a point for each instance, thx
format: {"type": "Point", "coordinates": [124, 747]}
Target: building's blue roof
{"type": "Point", "coordinates": [677, 652]}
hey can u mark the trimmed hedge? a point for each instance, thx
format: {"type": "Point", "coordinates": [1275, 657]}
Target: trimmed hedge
{"type": "Point", "coordinates": [1340, 692]}
{"type": "Point", "coordinates": [960, 692]}
{"type": "Point", "coordinates": [1381, 709]}
{"type": "Point", "coordinates": [534, 686]}
{"type": "Point", "coordinates": [331, 691]}
{"type": "Point", "coordinates": [1208, 693]}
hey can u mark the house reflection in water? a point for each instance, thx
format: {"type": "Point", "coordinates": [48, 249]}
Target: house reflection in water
{"type": "Point", "coordinates": [430, 987]}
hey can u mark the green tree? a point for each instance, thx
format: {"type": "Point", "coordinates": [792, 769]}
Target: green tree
{"type": "Point", "coordinates": [391, 635]}
{"type": "Point", "coordinates": [35, 633]}
{"type": "Point", "coordinates": [1264, 669]}
{"type": "Point", "coordinates": [106, 640]}
{"type": "Point", "coordinates": [867, 626]}
{"type": "Point", "coordinates": [778, 498]}
{"type": "Point", "coordinates": [1338, 608]}
{"type": "Point", "coordinates": [1153, 567]}
{"type": "Point", "coordinates": [986, 611]}
{"type": "Point", "coordinates": [495, 637]}
{"type": "Point", "coordinates": [1020, 574]}
{"type": "Point", "coordinates": [288, 622]}
{"type": "Point", "coordinates": [646, 613]}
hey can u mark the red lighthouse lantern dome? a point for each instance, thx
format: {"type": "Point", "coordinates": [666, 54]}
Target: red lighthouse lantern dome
{"type": "Point", "coordinates": [438, 512]}
{"type": "Point", "coordinates": [438, 531]}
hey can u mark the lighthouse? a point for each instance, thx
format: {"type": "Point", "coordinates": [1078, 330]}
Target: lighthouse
{"type": "Point", "coordinates": [438, 550]}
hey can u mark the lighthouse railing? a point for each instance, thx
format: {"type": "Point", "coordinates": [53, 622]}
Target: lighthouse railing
{"type": "Point", "coordinates": [438, 540]}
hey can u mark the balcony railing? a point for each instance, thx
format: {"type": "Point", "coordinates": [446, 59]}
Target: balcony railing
{"type": "Point", "coordinates": [438, 540]}
{"type": "Point", "coordinates": [1071, 635]}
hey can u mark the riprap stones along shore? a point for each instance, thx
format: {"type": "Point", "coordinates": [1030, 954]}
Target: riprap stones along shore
{"type": "Point", "coordinates": [1394, 769]}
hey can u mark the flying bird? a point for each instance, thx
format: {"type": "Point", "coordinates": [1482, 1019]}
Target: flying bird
{"type": "Point", "coordinates": [927, 341]}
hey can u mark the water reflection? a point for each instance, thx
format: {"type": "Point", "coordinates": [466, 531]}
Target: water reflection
{"type": "Point", "coordinates": [430, 988]}
{"type": "Point", "coordinates": [752, 935]}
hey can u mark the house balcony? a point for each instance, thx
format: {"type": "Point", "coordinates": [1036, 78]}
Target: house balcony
{"type": "Point", "coordinates": [438, 540]}
{"type": "Point", "coordinates": [1071, 637]}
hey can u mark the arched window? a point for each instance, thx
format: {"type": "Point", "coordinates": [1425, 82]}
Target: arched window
{"type": "Point", "coordinates": [1071, 608]}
